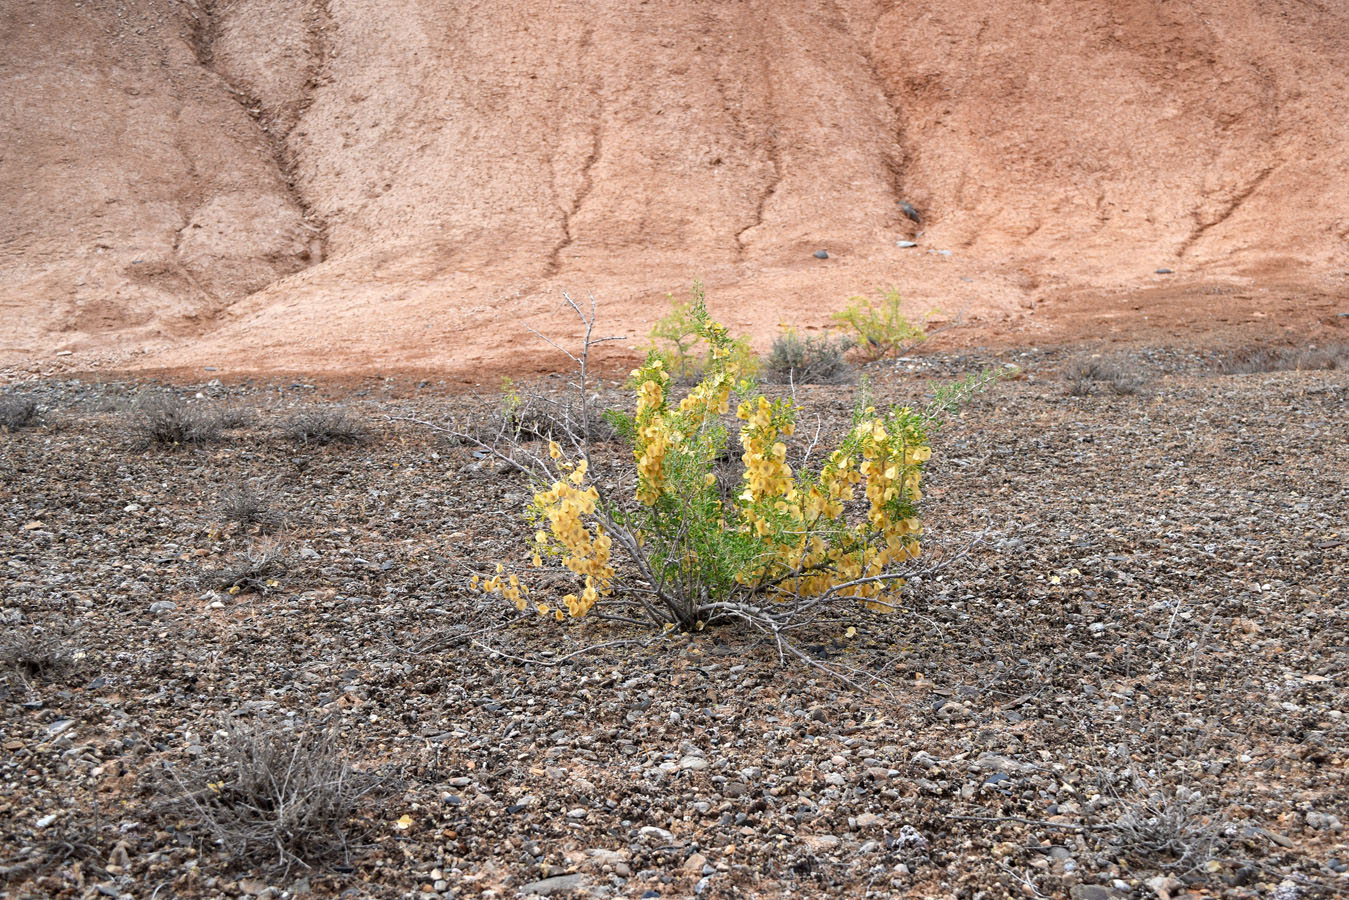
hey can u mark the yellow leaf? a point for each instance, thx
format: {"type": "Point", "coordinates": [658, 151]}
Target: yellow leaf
{"type": "Point", "coordinates": [404, 822]}
{"type": "Point", "coordinates": [851, 632]}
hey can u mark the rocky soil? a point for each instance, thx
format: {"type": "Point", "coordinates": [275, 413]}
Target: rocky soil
{"type": "Point", "coordinates": [1134, 687]}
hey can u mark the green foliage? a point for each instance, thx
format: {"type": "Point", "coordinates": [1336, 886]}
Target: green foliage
{"type": "Point", "coordinates": [880, 329]}
{"type": "Point", "coordinates": [681, 346]}
{"type": "Point", "coordinates": [788, 537]}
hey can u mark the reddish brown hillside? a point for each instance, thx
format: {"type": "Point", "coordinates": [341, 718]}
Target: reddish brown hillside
{"type": "Point", "coordinates": [293, 184]}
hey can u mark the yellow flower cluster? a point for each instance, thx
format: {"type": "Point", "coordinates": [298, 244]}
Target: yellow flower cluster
{"type": "Point", "coordinates": [584, 551]}
{"type": "Point", "coordinates": [805, 525]}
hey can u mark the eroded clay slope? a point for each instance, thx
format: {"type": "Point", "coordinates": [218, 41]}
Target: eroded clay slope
{"type": "Point", "coordinates": [294, 184]}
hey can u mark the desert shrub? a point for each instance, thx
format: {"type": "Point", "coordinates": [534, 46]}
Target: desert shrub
{"type": "Point", "coordinates": [786, 545]}
{"type": "Point", "coordinates": [1170, 830]}
{"type": "Point", "coordinates": [809, 359]}
{"type": "Point", "coordinates": [162, 418]}
{"type": "Point", "coordinates": [879, 328]}
{"type": "Point", "coordinates": [321, 425]}
{"type": "Point", "coordinates": [246, 506]}
{"type": "Point", "coordinates": [1286, 359]}
{"type": "Point", "coordinates": [1117, 375]}
{"type": "Point", "coordinates": [16, 412]}
{"type": "Point", "coordinates": [257, 570]}
{"type": "Point", "coordinates": [32, 651]}
{"type": "Point", "coordinates": [233, 416]}
{"type": "Point", "coordinates": [268, 789]}
{"type": "Point", "coordinates": [677, 341]}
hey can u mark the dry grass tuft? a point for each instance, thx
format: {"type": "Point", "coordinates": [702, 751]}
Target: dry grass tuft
{"type": "Point", "coordinates": [325, 425]}
{"type": "Point", "coordinates": [286, 790]}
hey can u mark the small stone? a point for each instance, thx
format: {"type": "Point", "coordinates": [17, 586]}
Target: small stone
{"type": "Point", "coordinates": [905, 245]}
{"type": "Point", "coordinates": [694, 763]}
{"type": "Point", "coordinates": [907, 208]}
{"type": "Point", "coordinates": [159, 607]}
{"type": "Point", "coordinates": [694, 864]}
{"type": "Point", "coordinates": [734, 789]}
{"type": "Point", "coordinates": [652, 833]}
{"type": "Point", "coordinates": [869, 820]}
{"type": "Point", "coordinates": [1324, 821]}
{"type": "Point", "coordinates": [577, 813]}
{"type": "Point", "coordinates": [1162, 271]}
{"type": "Point", "coordinates": [1164, 886]}
{"type": "Point", "coordinates": [821, 254]}
{"type": "Point", "coordinates": [555, 885]}
{"type": "Point", "coordinates": [1092, 892]}
{"type": "Point", "coordinates": [910, 837]}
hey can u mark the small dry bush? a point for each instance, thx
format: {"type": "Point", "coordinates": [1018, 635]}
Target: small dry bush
{"type": "Point", "coordinates": [258, 570]}
{"type": "Point", "coordinates": [1287, 359]}
{"type": "Point", "coordinates": [16, 412]}
{"type": "Point", "coordinates": [284, 790]}
{"type": "Point", "coordinates": [322, 425]}
{"type": "Point", "coordinates": [163, 419]}
{"type": "Point", "coordinates": [1118, 376]}
{"type": "Point", "coordinates": [246, 506]}
{"type": "Point", "coordinates": [808, 360]}
{"type": "Point", "coordinates": [31, 651]}
{"type": "Point", "coordinates": [1169, 830]}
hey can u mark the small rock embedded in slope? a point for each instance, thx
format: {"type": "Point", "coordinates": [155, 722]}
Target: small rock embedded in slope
{"type": "Point", "coordinates": [906, 244]}
{"type": "Point", "coordinates": [1162, 271]}
{"type": "Point", "coordinates": [821, 254]}
{"type": "Point", "coordinates": [159, 607]}
{"type": "Point", "coordinates": [555, 885]}
{"type": "Point", "coordinates": [907, 208]}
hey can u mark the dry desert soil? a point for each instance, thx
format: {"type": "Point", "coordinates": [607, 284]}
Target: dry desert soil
{"type": "Point", "coordinates": [248, 660]}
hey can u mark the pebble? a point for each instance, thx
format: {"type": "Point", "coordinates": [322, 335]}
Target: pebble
{"type": "Point", "coordinates": [869, 820]}
{"type": "Point", "coordinates": [1162, 271]}
{"type": "Point", "coordinates": [577, 813]}
{"type": "Point", "coordinates": [651, 832]}
{"type": "Point", "coordinates": [159, 607]}
{"type": "Point", "coordinates": [694, 763]}
{"type": "Point", "coordinates": [1324, 821]}
{"type": "Point", "coordinates": [906, 244]}
{"type": "Point", "coordinates": [821, 254]}
{"type": "Point", "coordinates": [554, 885]}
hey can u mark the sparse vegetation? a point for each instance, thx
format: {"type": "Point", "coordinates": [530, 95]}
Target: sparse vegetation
{"type": "Point", "coordinates": [258, 570]}
{"type": "Point", "coordinates": [165, 419]}
{"type": "Point", "coordinates": [681, 347]}
{"type": "Point", "coordinates": [1168, 830]}
{"type": "Point", "coordinates": [247, 506]}
{"type": "Point", "coordinates": [320, 425]}
{"type": "Point", "coordinates": [16, 412]}
{"type": "Point", "coordinates": [808, 360]}
{"type": "Point", "coordinates": [286, 791]}
{"type": "Point", "coordinates": [1286, 359]}
{"type": "Point", "coordinates": [1117, 375]}
{"type": "Point", "coordinates": [792, 542]}
{"type": "Point", "coordinates": [32, 651]}
{"type": "Point", "coordinates": [881, 328]}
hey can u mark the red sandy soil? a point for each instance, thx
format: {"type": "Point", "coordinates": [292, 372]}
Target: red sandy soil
{"type": "Point", "coordinates": [351, 186]}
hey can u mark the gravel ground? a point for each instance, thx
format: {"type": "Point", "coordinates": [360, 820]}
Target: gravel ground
{"type": "Point", "coordinates": [1134, 688]}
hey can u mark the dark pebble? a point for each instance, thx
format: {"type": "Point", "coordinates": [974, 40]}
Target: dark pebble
{"type": "Point", "coordinates": [821, 254]}
{"type": "Point", "coordinates": [1162, 271]}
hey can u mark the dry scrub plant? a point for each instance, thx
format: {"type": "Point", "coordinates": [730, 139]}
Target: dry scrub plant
{"type": "Point", "coordinates": [283, 790]}
{"type": "Point", "coordinates": [787, 548]}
